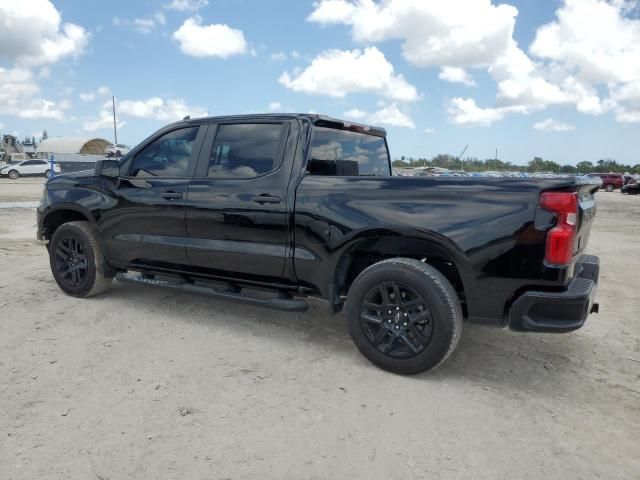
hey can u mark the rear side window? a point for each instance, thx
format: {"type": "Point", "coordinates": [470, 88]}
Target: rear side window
{"type": "Point", "coordinates": [245, 150]}
{"type": "Point", "coordinates": [167, 156]}
{"type": "Point", "coordinates": [344, 153]}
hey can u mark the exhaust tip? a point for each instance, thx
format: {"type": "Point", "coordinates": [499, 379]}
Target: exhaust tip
{"type": "Point", "coordinates": [595, 308]}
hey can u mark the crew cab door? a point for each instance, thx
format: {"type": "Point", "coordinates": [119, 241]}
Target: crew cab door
{"type": "Point", "coordinates": [237, 206]}
{"type": "Point", "coordinates": [146, 226]}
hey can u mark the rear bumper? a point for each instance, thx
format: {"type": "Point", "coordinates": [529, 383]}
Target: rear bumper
{"type": "Point", "coordinates": [564, 311]}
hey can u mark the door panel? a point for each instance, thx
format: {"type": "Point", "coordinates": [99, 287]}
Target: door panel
{"type": "Point", "coordinates": [146, 227]}
{"type": "Point", "coordinates": [147, 224]}
{"type": "Point", "coordinates": [240, 225]}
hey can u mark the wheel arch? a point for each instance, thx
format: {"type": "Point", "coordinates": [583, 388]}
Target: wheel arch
{"type": "Point", "coordinates": [53, 217]}
{"type": "Point", "coordinates": [433, 249]}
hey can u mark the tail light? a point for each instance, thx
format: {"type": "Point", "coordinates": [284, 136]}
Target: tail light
{"type": "Point", "coordinates": [560, 239]}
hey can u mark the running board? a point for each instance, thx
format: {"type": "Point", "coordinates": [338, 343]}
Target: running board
{"type": "Point", "coordinates": [284, 301]}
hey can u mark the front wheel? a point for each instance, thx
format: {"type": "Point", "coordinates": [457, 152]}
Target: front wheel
{"type": "Point", "coordinates": [13, 174]}
{"type": "Point", "coordinates": [404, 315]}
{"type": "Point", "coordinates": [47, 173]}
{"type": "Point", "coordinates": [608, 188]}
{"type": "Point", "coordinates": [76, 260]}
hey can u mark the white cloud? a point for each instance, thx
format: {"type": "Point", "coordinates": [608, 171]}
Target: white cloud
{"type": "Point", "coordinates": [160, 18]}
{"type": "Point", "coordinates": [429, 130]}
{"type": "Point", "coordinates": [92, 95]}
{"type": "Point", "coordinates": [387, 115]}
{"type": "Point", "coordinates": [32, 33]}
{"type": "Point", "coordinates": [454, 33]}
{"type": "Point", "coordinates": [278, 56]}
{"type": "Point", "coordinates": [392, 115]}
{"type": "Point", "coordinates": [332, 11]}
{"type": "Point", "coordinates": [87, 96]}
{"type": "Point", "coordinates": [104, 121]}
{"type": "Point", "coordinates": [275, 107]}
{"type": "Point", "coordinates": [355, 113]}
{"type": "Point", "coordinates": [187, 5]}
{"type": "Point", "coordinates": [144, 25]}
{"type": "Point", "coordinates": [19, 96]}
{"type": "Point", "coordinates": [215, 40]}
{"type": "Point", "coordinates": [551, 125]}
{"type": "Point", "coordinates": [456, 75]}
{"type": "Point", "coordinates": [339, 72]}
{"type": "Point", "coordinates": [157, 108]}
{"type": "Point", "coordinates": [584, 58]}
{"type": "Point", "coordinates": [465, 111]}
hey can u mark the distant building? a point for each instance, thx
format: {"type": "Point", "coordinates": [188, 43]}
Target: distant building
{"type": "Point", "coordinates": [73, 154]}
{"type": "Point", "coordinates": [78, 146]}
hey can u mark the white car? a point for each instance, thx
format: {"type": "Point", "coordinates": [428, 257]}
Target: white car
{"type": "Point", "coordinates": [29, 167]}
{"type": "Point", "coordinates": [116, 150]}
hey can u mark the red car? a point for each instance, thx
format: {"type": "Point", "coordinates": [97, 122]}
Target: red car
{"type": "Point", "coordinates": [610, 181]}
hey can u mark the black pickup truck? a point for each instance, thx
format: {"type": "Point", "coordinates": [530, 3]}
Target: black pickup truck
{"type": "Point", "coordinates": [270, 209]}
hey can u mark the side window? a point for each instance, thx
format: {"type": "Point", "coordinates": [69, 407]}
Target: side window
{"type": "Point", "coordinates": [28, 163]}
{"type": "Point", "coordinates": [167, 156]}
{"type": "Point", "coordinates": [345, 153]}
{"type": "Point", "coordinates": [245, 150]}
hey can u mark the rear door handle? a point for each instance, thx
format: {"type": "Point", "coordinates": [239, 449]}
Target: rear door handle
{"type": "Point", "coordinates": [171, 195]}
{"type": "Point", "coordinates": [265, 198]}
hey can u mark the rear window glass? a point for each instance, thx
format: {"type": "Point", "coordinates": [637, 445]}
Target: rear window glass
{"type": "Point", "coordinates": [344, 153]}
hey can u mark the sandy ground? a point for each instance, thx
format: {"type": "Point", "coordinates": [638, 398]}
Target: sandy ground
{"type": "Point", "coordinates": [143, 384]}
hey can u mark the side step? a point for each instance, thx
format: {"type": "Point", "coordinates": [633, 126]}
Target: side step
{"type": "Point", "coordinates": [284, 301]}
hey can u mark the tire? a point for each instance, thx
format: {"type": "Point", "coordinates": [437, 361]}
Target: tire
{"type": "Point", "coordinates": [118, 153]}
{"type": "Point", "coordinates": [47, 173]}
{"type": "Point", "coordinates": [13, 174]}
{"type": "Point", "coordinates": [608, 188]}
{"type": "Point", "coordinates": [384, 338]}
{"type": "Point", "coordinates": [79, 238]}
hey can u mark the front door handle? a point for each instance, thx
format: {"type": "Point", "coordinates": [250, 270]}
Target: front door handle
{"type": "Point", "coordinates": [266, 198]}
{"type": "Point", "coordinates": [171, 195]}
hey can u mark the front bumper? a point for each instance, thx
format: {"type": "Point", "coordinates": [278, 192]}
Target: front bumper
{"type": "Point", "coordinates": [564, 311]}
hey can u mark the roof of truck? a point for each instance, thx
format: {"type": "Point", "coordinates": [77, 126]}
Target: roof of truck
{"type": "Point", "coordinates": [316, 119]}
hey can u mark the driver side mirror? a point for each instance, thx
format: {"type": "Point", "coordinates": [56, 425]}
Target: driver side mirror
{"type": "Point", "coordinates": [108, 168]}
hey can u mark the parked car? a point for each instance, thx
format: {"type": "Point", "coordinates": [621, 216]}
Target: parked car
{"type": "Point", "coordinates": [610, 181]}
{"type": "Point", "coordinates": [29, 167]}
{"type": "Point", "coordinates": [304, 205]}
{"type": "Point", "coordinates": [632, 187]}
{"type": "Point", "coordinates": [116, 150]}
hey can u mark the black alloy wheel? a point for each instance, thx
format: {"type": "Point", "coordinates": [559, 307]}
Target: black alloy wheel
{"type": "Point", "coordinates": [403, 315]}
{"type": "Point", "coordinates": [70, 260]}
{"type": "Point", "coordinates": [77, 263]}
{"type": "Point", "coordinates": [396, 320]}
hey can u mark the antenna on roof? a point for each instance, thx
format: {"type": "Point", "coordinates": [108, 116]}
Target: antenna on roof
{"type": "Point", "coordinates": [188, 117]}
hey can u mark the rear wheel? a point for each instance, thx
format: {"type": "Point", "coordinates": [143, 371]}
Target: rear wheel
{"type": "Point", "coordinates": [13, 174]}
{"type": "Point", "coordinates": [47, 173]}
{"type": "Point", "coordinates": [608, 188]}
{"type": "Point", "coordinates": [76, 260]}
{"type": "Point", "coordinates": [404, 315]}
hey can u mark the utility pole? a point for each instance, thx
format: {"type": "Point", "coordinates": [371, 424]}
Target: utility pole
{"type": "Point", "coordinates": [461, 155]}
{"type": "Point", "coordinates": [495, 166]}
{"type": "Point", "coordinates": [115, 131]}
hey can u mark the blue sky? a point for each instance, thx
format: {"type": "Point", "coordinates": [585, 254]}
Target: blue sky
{"type": "Point", "coordinates": [437, 75]}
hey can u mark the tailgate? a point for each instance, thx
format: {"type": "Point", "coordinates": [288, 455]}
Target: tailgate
{"type": "Point", "coordinates": [586, 189]}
